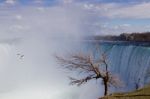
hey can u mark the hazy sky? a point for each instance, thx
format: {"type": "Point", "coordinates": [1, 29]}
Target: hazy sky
{"type": "Point", "coordinates": [38, 29]}
{"type": "Point", "coordinates": [96, 16]}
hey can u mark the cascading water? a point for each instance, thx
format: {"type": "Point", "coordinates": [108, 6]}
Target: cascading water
{"type": "Point", "coordinates": [35, 75]}
{"type": "Point", "coordinates": [130, 62]}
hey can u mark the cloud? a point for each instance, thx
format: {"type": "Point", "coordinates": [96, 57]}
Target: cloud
{"type": "Point", "coordinates": [19, 17]}
{"type": "Point", "coordinates": [88, 6]}
{"type": "Point", "coordinates": [119, 17]}
{"type": "Point", "coordinates": [38, 1]}
{"type": "Point", "coordinates": [67, 1]}
{"type": "Point", "coordinates": [12, 2]}
{"type": "Point", "coordinates": [121, 28]}
{"type": "Point", "coordinates": [133, 11]}
{"type": "Point", "coordinates": [94, 12]}
{"type": "Point", "coordinates": [119, 10]}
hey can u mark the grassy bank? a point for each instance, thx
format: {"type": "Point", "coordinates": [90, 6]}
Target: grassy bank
{"type": "Point", "coordinates": [143, 93]}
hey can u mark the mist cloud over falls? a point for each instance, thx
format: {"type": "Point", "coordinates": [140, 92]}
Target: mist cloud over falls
{"type": "Point", "coordinates": [29, 37]}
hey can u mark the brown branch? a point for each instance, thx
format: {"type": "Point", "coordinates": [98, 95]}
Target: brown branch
{"type": "Point", "coordinates": [91, 67]}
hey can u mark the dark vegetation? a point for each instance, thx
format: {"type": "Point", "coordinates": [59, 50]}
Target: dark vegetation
{"type": "Point", "coordinates": [143, 37]}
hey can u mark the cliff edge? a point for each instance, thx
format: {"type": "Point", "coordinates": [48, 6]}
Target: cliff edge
{"type": "Point", "coordinates": [143, 93]}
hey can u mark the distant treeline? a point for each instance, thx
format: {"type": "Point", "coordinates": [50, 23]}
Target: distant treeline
{"type": "Point", "coordinates": [145, 36]}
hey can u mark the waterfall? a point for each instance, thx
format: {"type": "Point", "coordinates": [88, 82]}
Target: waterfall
{"type": "Point", "coordinates": [32, 74]}
{"type": "Point", "coordinates": [35, 75]}
{"type": "Point", "coordinates": [130, 62]}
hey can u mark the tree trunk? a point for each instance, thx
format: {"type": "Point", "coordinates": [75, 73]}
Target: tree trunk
{"type": "Point", "coordinates": [105, 88]}
{"type": "Point", "coordinates": [105, 79]}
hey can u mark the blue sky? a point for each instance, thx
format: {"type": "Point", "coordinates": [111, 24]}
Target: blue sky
{"type": "Point", "coordinates": [55, 2]}
{"type": "Point", "coordinates": [100, 16]}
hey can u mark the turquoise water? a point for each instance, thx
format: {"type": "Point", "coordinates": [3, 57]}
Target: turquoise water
{"type": "Point", "coordinates": [131, 62]}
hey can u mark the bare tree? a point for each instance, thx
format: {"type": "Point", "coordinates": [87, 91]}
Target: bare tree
{"type": "Point", "coordinates": [92, 68]}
